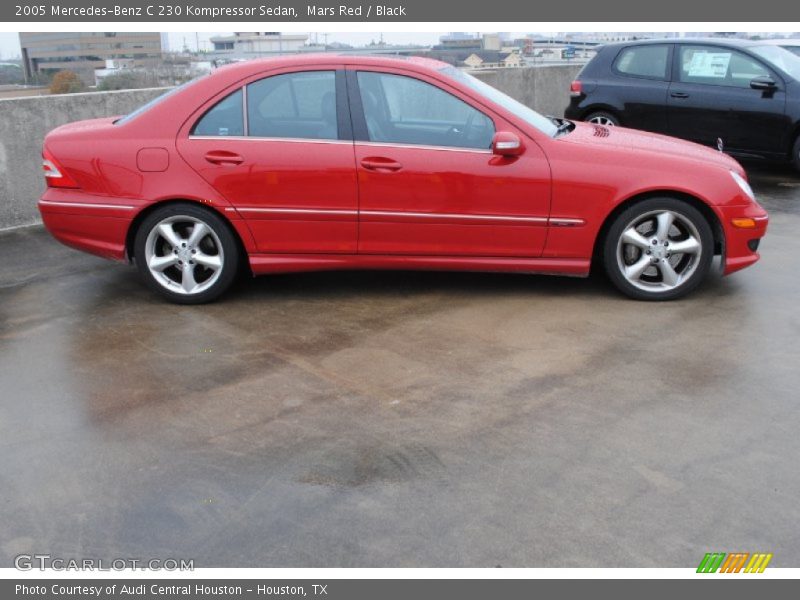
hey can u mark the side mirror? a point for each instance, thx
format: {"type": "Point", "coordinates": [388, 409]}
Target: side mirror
{"type": "Point", "coordinates": [763, 83]}
{"type": "Point", "coordinates": [505, 143]}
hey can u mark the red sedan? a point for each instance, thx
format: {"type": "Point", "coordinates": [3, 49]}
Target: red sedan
{"type": "Point", "coordinates": [338, 162]}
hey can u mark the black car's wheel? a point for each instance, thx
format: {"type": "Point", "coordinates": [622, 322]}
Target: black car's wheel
{"type": "Point", "coordinates": [603, 118]}
{"type": "Point", "coordinates": [186, 253]}
{"type": "Point", "coordinates": [658, 249]}
{"type": "Point", "coordinates": [796, 153]}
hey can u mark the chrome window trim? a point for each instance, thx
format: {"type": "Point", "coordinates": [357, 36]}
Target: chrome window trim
{"type": "Point", "coordinates": [269, 139]}
{"type": "Point", "coordinates": [424, 147]}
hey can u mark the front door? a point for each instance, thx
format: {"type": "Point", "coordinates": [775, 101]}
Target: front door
{"type": "Point", "coordinates": [428, 181]}
{"type": "Point", "coordinates": [711, 98]}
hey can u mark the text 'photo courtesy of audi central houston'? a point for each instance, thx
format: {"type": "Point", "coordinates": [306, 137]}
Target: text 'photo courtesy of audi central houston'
{"type": "Point", "coordinates": [339, 162]}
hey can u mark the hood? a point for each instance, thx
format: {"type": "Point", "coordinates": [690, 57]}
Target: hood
{"type": "Point", "coordinates": [633, 139]}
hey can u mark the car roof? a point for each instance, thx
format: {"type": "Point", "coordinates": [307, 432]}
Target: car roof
{"type": "Point", "coordinates": [781, 42]}
{"type": "Point", "coordinates": [732, 42]}
{"type": "Point", "coordinates": [256, 65]}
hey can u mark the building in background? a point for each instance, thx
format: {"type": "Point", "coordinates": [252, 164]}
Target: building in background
{"type": "Point", "coordinates": [241, 46]}
{"type": "Point", "coordinates": [83, 52]}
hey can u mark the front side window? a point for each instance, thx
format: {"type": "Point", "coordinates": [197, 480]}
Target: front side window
{"type": "Point", "coordinates": [643, 61]}
{"type": "Point", "coordinates": [718, 66]}
{"type": "Point", "coordinates": [225, 118]}
{"type": "Point", "coordinates": [294, 105]}
{"type": "Point", "coordinates": [404, 110]}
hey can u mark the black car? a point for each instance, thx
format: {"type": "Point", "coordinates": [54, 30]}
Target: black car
{"type": "Point", "coordinates": [743, 96]}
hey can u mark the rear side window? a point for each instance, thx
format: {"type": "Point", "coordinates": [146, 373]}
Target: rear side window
{"type": "Point", "coordinates": [644, 61]}
{"type": "Point", "coordinates": [718, 66]}
{"type": "Point", "coordinates": [225, 118]}
{"type": "Point", "coordinates": [293, 105]}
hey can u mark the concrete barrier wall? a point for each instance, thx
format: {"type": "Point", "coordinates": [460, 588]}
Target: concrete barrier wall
{"type": "Point", "coordinates": [23, 124]}
{"type": "Point", "coordinates": [25, 121]}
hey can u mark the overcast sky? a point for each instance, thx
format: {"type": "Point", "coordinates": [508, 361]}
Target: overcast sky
{"type": "Point", "coordinates": [9, 42]}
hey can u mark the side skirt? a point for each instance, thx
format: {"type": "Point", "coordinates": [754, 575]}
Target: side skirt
{"type": "Point", "coordinates": [293, 263]}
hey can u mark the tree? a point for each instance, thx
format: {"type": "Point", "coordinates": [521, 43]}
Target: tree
{"type": "Point", "coordinates": [66, 82]}
{"type": "Point", "coordinates": [122, 81]}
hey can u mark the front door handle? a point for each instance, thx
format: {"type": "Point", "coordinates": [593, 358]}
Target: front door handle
{"type": "Point", "coordinates": [380, 163]}
{"type": "Point", "coordinates": [223, 157]}
{"type": "Point", "coordinates": [679, 94]}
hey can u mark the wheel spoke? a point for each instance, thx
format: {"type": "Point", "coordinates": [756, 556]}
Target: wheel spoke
{"type": "Point", "coordinates": [166, 231]}
{"type": "Point", "coordinates": [159, 263]}
{"type": "Point", "coordinates": [631, 236]}
{"type": "Point", "coordinates": [188, 282]}
{"type": "Point", "coordinates": [664, 220]}
{"type": "Point", "coordinates": [635, 270]}
{"type": "Point", "coordinates": [668, 275]}
{"type": "Point", "coordinates": [211, 261]}
{"type": "Point", "coordinates": [199, 231]}
{"type": "Point", "coordinates": [687, 246]}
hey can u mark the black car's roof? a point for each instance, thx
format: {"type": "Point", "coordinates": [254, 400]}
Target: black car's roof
{"type": "Point", "coordinates": [732, 42]}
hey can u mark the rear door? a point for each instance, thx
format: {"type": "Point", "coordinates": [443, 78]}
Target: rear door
{"type": "Point", "coordinates": [711, 98]}
{"type": "Point", "coordinates": [280, 150]}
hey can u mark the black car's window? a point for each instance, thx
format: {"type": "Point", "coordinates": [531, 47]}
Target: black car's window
{"type": "Point", "coordinates": [718, 66]}
{"type": "Point", "coordinates": [404, 110]}
{"type": "Point", "coordinates": [644, 61]}
{"type": "Point", "coordinates": [294, 105]}
{"type": "Point", "coordinates": [225, 118]}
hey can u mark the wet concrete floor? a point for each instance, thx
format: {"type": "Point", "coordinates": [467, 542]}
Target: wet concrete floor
{"type": "Point", "coordinates": [400, 419]}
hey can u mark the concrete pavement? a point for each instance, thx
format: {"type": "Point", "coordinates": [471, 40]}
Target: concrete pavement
{"type": "Point", "coordinates": [400, 419]}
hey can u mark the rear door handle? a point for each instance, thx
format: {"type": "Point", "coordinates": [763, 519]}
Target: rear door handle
{"type": "Point", "coordinates": [679, 94]}
{"type": "Point", "coordinates": [223, 157]}
{"type": "Point", "coordinates": [380, 163]}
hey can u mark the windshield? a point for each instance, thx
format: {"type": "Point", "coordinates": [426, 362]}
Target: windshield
{"type": "Point", "coordinates": [528, 115]}
{"type": "Point", "coordinates": [781, 58]}
{"type": "Point", "coordinates": [157, 100]}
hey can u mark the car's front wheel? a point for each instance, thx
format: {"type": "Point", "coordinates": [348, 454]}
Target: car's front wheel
{"type": "Point", "coordinates": [658, 249]}
{"type": "Point", "coordinates": [186, 253]}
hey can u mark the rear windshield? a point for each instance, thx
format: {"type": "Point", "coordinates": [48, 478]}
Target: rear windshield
{"type": "Point", "coordinates": [157, 100]}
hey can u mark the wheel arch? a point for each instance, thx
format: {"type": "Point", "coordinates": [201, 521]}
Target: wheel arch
{"type": "Point", "coordinates": [606, 108]}
{"type": "Point", "coordinates": [703, 207]}
{"type": "Point", "coordinates": [130, 236]}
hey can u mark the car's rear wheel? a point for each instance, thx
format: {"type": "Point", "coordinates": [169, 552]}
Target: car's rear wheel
{"type": "Point", "coordinates": [658, 249]}
{"type": "Point", "coordinates": [186, 253]}
{"type": "Point", "coordinates": [603, 118]}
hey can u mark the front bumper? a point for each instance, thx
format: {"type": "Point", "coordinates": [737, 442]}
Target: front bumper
{"type": "Point", "coordinates": [741, 243]}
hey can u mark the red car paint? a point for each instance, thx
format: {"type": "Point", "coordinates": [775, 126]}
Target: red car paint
{"type": "Point", "coordinates": [312, 204]}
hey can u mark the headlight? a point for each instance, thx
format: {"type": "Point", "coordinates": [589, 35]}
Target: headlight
{"type": "Point", "coordinates": [742, 182]}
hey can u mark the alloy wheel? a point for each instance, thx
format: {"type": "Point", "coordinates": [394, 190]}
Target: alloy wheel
{"type": "Point", "coordinates": [602, 120]}
{"type": "Point", "coordinates": [184, 254]}
{"type": "Point", "coordinates": [659, 250]}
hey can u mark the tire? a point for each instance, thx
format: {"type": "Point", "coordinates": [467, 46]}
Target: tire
{"type": "Point", "coordinates": [796, 154]}
{"type": "Point", "coordinates": [644, 270]}
{"type": "Point", "coordinates": [603, 118]}
{"type": "Point", "coordinates": [179, 265]}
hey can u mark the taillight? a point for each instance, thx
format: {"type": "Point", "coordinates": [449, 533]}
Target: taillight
{"type": "Point", "coordinates": [54, 174]}
{"type": "Point", "coordinates": [575, 89]}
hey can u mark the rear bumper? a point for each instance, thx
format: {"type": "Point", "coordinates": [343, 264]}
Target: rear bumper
{"type": "Point", "coordinates": [741, 244]}
{"type": "Point", "coordinates": [87, 222]}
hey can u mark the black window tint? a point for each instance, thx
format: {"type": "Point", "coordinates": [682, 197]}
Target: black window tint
{"type": "Point", "coordinates": [644, 61]}
{"type": "Point", "coordinates": [294, 105]}
{"type": "Point", "coordinates": [404, 110]}
{"type": "Point", "coordinates": [225, 118]}
{"type": "Point", "coordinates": [718, 66]}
